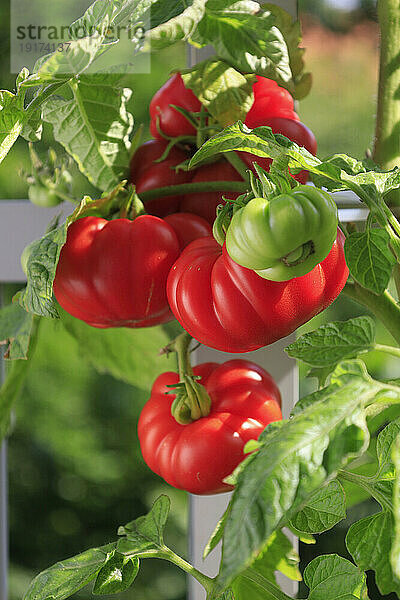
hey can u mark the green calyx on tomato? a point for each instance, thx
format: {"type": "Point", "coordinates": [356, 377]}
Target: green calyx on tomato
{"type": "Point", "coordinates": [284, 237]}
{"type": "Point", "coordinates": [199, 456]}
{"type": "Point", "coordinates": [191, 399]}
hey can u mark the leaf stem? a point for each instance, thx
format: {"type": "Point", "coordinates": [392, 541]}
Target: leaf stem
{"type": "Point", "coordinates": [237, 163]}
{"type": "Point", "coordinates": [384, 306]}
{"type": "Point", "coordinates": [387, 349]}
{"type": "Point", "coordinates": [367, 484]}
{"type": "Point", "coordinates": [204, 580]}
{"type": "Point", "coordinates": [44, 95]}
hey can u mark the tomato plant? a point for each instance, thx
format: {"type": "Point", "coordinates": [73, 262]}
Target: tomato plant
{"type": "Point", "coordinates": [112, 266]}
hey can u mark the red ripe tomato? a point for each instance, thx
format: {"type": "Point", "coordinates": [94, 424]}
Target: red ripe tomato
{"type": "Point", "coordinates": [148, 175]}
{"type": "Point", "coordinates": [205, 203]}
{"type": "Point", "coordinates": [197, 457]}
{"type": "Point", "coordinates": [147, 153]}
{"type": "Point", "coordinates": [171, 122]}
{"type": "Point", "coordinates": [270, 100]}
{"type": "Point", "coordinates": [231, 308]}
{"type": "Point", "coordinates": [188, 227]}
{"type": "Point", "coordinates": [113, 273]}
{"type": "Point", "coordinates": [295, 131]}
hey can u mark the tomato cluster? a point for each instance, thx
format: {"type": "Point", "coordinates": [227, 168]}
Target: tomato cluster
{"type": "Point", "coordinates": [273, 106]}
{"type": "Point", "coordinates": [165, 264]}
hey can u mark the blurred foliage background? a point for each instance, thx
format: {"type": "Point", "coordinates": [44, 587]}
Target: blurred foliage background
{"type": "Point", "coordinates": [76, 471]}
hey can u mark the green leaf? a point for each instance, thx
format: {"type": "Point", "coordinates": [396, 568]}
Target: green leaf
{"type": "Point", "coordinates": [369, 186]}
{"type": "Point", "coordinates": [94, 126]}
{"type": "Point", "coordinates": [259, 47]}
{"type": "Point", "coordinates": [369, 541]}
{"type": "Point", "coordinates": [130, 355]}
{"type": "Point", "coordinates": [326, 508]}
{"type": "Point", "coordinates": [12, 115]}
{"type": "Point", "coordinates": [117, 575]}
{"type": "Point", "coordinates": [62, 66]}
{"type": "Point", "coordinates": [179, 27]}
{"type": "Point", "coordinates": [321, 374]}
{"type": "Point", "coordinates": [14, 382]}
{"type": "Point", "coordinates": [33, 127]}
{"type": "Point", "coordinates": [291, 31]}
{"type": "Point", "coordinates": [305, 538]}
{"type": "Point", "coordinates": [217, 534]}
{"type": "Point", "coordinates": [346, 369]}
{"type": "Point", "coordinates": [395, 553]}
{"type": "Point", "coordinates": [37, 297]}
{"type": "Point", "coordinates": [384, 450]}
{"type": "Point", "coordinates": [260, 142]}
{"type": "Point", "coordinates": [226, 93]}
{"type": "Point", "coordinates": [369, 259]}
{"type": "Point", "coordinates": [92, 19]}
{"type": "Point", "coordinates": [334, 342]}
{"type": "Point", "coordinates": [330, 577]}
{"type": "Point", "coordinates": [68, 576]}
{"type": "Point", "coordinates": [293, 462]}
{"type": "Point", "coordinates": [15, 331]}
{"type": "Point", "coordinates": [278, 555]}
{"type": "Point", "coordinates": [146, 532]}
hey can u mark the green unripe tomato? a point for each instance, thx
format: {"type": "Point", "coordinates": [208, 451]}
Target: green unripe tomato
{"type": "Point", "coordinates": [285, 237]}
{"type": "Point", "coordinates": [42, 196]}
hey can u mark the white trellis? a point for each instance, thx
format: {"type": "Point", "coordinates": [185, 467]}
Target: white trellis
{"type": "Point", "coordinates": [20, 223]}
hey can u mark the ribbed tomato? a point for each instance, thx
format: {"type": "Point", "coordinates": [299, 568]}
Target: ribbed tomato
{"type": "Point", "coordinates": [198, 456]}
{"type": "Point", "coordinates": [114, 273]}
{"type": "Point", "coordinates": [171, 122]}
{"type": "Point", "coordinates": [270, 100]}
{"type": "Point", "coordinates": [231, 308]}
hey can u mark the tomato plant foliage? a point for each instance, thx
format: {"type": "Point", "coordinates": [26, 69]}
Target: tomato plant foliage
{"type": "Point", "coordinates": [204, 153]}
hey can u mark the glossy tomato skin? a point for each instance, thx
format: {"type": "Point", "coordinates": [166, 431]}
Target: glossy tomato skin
{"type": "Point", "coordinates": [150, 151]}
{"type": "Point", "coordinates": [270, 100]}
{"type": "Point", "coordinates": [197, 457]}
{"type": "Point", "coordinates": [231, 308]}
{"type": "Point", "coordinates": [113, 273]}
{"type": "Point", "coordinates": [188, 227]}
{"type": "Point", "coordinates": [171, 122]}
{"type": "Point", "coordinates": [205, 204]}
{"type": "Point", "coordinates": [148, 175]}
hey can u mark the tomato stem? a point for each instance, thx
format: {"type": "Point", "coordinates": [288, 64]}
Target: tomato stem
{"type": "Point", "coordinates": [298, 256]}
{"type": "Point", "coordinates": [387, 146]}
{"type": "Point", "coordinates": [191, 188]}
{"type": "Point", "coordinates": [237, 163]}
{"type": "Point", "coordinates": [384, 306]}
{"type": "Point", "coordinates": [192, 400]}
{"type": "Point", "coordinates": [204, 580]}
{"type": "Point", "coordinates": [387, 349]}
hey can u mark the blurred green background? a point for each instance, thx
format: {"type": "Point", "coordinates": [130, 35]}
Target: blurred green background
{"type": "Point", "coordinates": [76, 471]}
